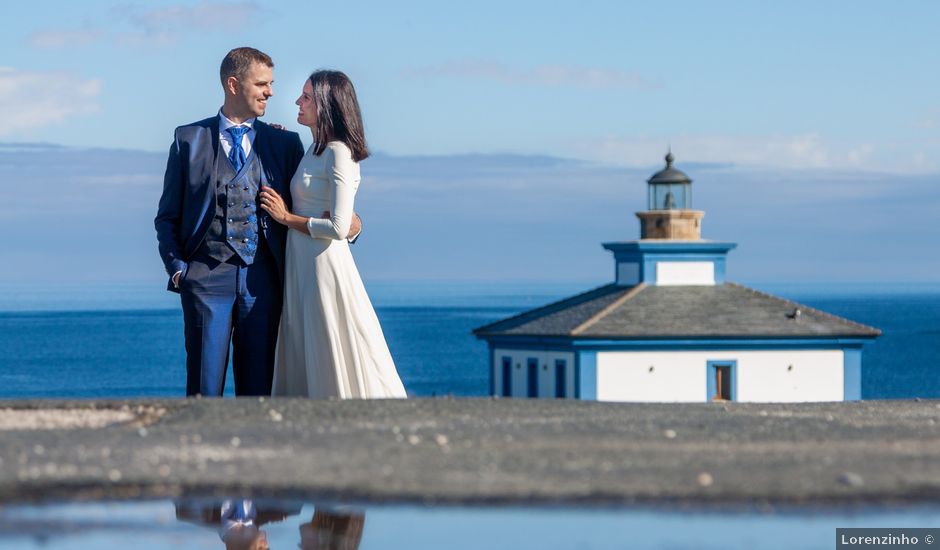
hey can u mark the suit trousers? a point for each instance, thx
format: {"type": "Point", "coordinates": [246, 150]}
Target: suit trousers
{"type": "Point", "coordinates": [230, 304]}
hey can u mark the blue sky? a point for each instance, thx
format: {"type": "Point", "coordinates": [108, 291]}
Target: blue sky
{"type": "Point", "coordinates": [512, 135]}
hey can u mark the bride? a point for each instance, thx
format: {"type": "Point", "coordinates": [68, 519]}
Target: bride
{"type": "Point", "coordinates": [330, 343]}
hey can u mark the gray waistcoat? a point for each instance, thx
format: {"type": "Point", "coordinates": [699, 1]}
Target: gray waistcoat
{"type": "Point", "coordinates": [234, 229]}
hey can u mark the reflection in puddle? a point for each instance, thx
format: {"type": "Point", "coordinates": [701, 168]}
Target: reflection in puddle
{"type": "Point", "coordinates": [330, 529]}
{"type": "Point", "coordinates": [240, 523]}
{"type": "Point", "coordinates": [258, 524]}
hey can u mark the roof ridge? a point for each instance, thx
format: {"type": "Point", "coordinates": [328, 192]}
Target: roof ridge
{"type": "Point", "coordinates": [540, 309]}
{"type": "Point", "coordinates": [610, 307]}
{"type": "Point", "coordinates": [805, 307]}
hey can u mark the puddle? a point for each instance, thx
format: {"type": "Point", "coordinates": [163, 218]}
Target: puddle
{"type": "Point", "coordinates": [258, 524]}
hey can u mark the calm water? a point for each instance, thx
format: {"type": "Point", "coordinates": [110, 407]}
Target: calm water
{"type": "Point", "coordinates": [153, 525]}
{"type": "Point", "coordinates": [127, 341]}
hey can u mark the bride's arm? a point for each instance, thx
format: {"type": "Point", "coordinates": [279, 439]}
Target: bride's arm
{"type": "Point", "coordinates": [343, 172]}
{"type": "Point", "coordinates": [339, 225]}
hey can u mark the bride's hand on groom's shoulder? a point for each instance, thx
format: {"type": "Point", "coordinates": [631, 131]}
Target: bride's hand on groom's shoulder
{"type": "Point", "coordinates": [273, 204]}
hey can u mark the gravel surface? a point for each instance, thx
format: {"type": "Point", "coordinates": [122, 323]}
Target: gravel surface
{"type": "Point", "coordinates": [473, 451]}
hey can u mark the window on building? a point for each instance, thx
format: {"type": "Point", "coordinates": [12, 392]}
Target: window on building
{"type": "Point", "coordinates": [560, 377]}
{"type": "Point", "coordinates": [721, 384]}
{"type": "Point", "coordinates": [507, 376]}
{"type": "Point", "coordinates": [533, 364]}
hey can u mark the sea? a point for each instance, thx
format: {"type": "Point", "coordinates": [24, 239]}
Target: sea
{"type": "Point", "coordinates": [126, 340]}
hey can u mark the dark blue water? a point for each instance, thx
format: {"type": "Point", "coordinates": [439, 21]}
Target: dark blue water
{"type": "Point", "coordinates": [108, 352]}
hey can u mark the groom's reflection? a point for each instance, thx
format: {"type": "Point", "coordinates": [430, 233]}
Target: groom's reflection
{"type": "Point", "coordinates": [239, 521]}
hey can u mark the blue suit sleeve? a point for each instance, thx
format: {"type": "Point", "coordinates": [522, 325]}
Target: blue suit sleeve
{"type": "Point", "coordinates": [298, 153]}
{"type": "Point", "coordinates": [169, 213]}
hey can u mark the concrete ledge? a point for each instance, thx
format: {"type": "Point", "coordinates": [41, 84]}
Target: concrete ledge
{"type": "Point", "coordinates": [473, 451]}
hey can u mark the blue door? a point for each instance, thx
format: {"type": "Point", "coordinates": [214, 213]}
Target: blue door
{"type": "Point", "coordinates": [560, 377]}
{"type": "Point", "coordinates": [533, 364]}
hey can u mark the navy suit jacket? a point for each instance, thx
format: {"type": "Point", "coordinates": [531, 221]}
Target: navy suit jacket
{"type": "Point", "coordinates": [188, 203]}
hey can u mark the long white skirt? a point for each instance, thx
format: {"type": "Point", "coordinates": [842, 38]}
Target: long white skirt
{"type": "Point", "coordinates": [330, 343]}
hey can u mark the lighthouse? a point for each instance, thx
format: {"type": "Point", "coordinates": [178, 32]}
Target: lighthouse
{"type": "Point", "coordinates": [671, 328]}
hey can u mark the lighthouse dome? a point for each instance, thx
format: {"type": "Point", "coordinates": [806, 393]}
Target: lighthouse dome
{"type": "Point", "coordinates": [669, 174]}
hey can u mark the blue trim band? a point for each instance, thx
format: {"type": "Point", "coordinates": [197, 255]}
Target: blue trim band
{"type": "Point", "coordinates": [577, 376]}
{"type": "Point", "coordinates": [758, 343]}
{"type": "Point", "coordinates": [675, 247]}
{"type": "Point", "coordinates": [561, 343]}
{"type": "Point", "coordinates": [586, 381]}
{"type": "Point", "coordinates": [492, 368]}
{"type": "Point", "coordinates": [852, 375]}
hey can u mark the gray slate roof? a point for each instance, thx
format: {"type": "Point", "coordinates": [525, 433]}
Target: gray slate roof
{"type": "Point", "coordinates": [653, 312]}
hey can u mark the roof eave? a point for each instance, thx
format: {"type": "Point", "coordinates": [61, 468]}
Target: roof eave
{"type": "Point", "coordinates": [848, 338]}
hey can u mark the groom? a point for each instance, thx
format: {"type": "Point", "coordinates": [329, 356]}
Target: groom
{"type": "Point", "coordinates": [223, 253]}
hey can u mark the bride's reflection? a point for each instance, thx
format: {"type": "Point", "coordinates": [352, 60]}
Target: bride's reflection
{"type": "Point", "coordinates": [331, 529]}
{"type": "Point", "coordinates": [239, 523]}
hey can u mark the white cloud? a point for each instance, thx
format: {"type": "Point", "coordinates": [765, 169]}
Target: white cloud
{"type": "Point", "coordinates": [799, 151]}
{"type": "Point", "coordinates": [543, 75]}
{"type": "Point", "coordinates": [139, 38]}
{"type": "Point", "coordinates": [533, 210]}
{"type": "Point", "coordinates": [930, 119]}
{"type": "Point", "coordinates": [65, 38]}
{"type": "Point", "coordinates": [44, 98]}
{"type": "Point", "coordinates": [148, 27]}
{"type": "Point", "coordinates": [204, 15]}
{"type": "Point", "coordinates": [163, 26]}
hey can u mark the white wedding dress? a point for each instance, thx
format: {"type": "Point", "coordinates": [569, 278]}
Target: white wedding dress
{"type": "Point", "coordinates": [330, 343]}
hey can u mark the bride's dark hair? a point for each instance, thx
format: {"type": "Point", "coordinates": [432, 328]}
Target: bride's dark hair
{"type": "Point", "coordinates": [338, 115]}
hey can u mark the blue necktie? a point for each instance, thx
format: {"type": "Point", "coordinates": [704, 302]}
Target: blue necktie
{"type": "Point", "coordinates": [237, 154]}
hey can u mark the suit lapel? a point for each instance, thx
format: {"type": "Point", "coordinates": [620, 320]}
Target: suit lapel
{"type": "Point", "coordinates": [214, 134]}
{"type": "Point", "coordinates": [260, 148]}
{"type": "Point", "coordinates": [257, 145]}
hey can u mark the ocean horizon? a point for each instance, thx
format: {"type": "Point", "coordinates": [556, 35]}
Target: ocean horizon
{"type": "Point", "coordinates": [126, 339]}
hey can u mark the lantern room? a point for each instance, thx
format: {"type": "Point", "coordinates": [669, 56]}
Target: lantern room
{"type": "Point", "coordinates": [669, 189]}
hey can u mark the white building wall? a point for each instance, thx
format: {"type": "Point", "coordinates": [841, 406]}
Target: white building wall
{"type": "Point", "coordinates": [545, 378]}
{"type": "Point", "coordinates": [685, 273]}
{"type": "Point", "coordinates": [759, 376]}
{"type": "Point", "coordinates": [520, 377]}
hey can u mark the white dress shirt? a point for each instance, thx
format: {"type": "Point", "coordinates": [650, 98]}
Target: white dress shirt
{"type": "Point", "coordinates": [226, 138]}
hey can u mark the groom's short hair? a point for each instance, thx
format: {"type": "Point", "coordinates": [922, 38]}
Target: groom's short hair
{"type": "Point", "coordinates": [236, 62]}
